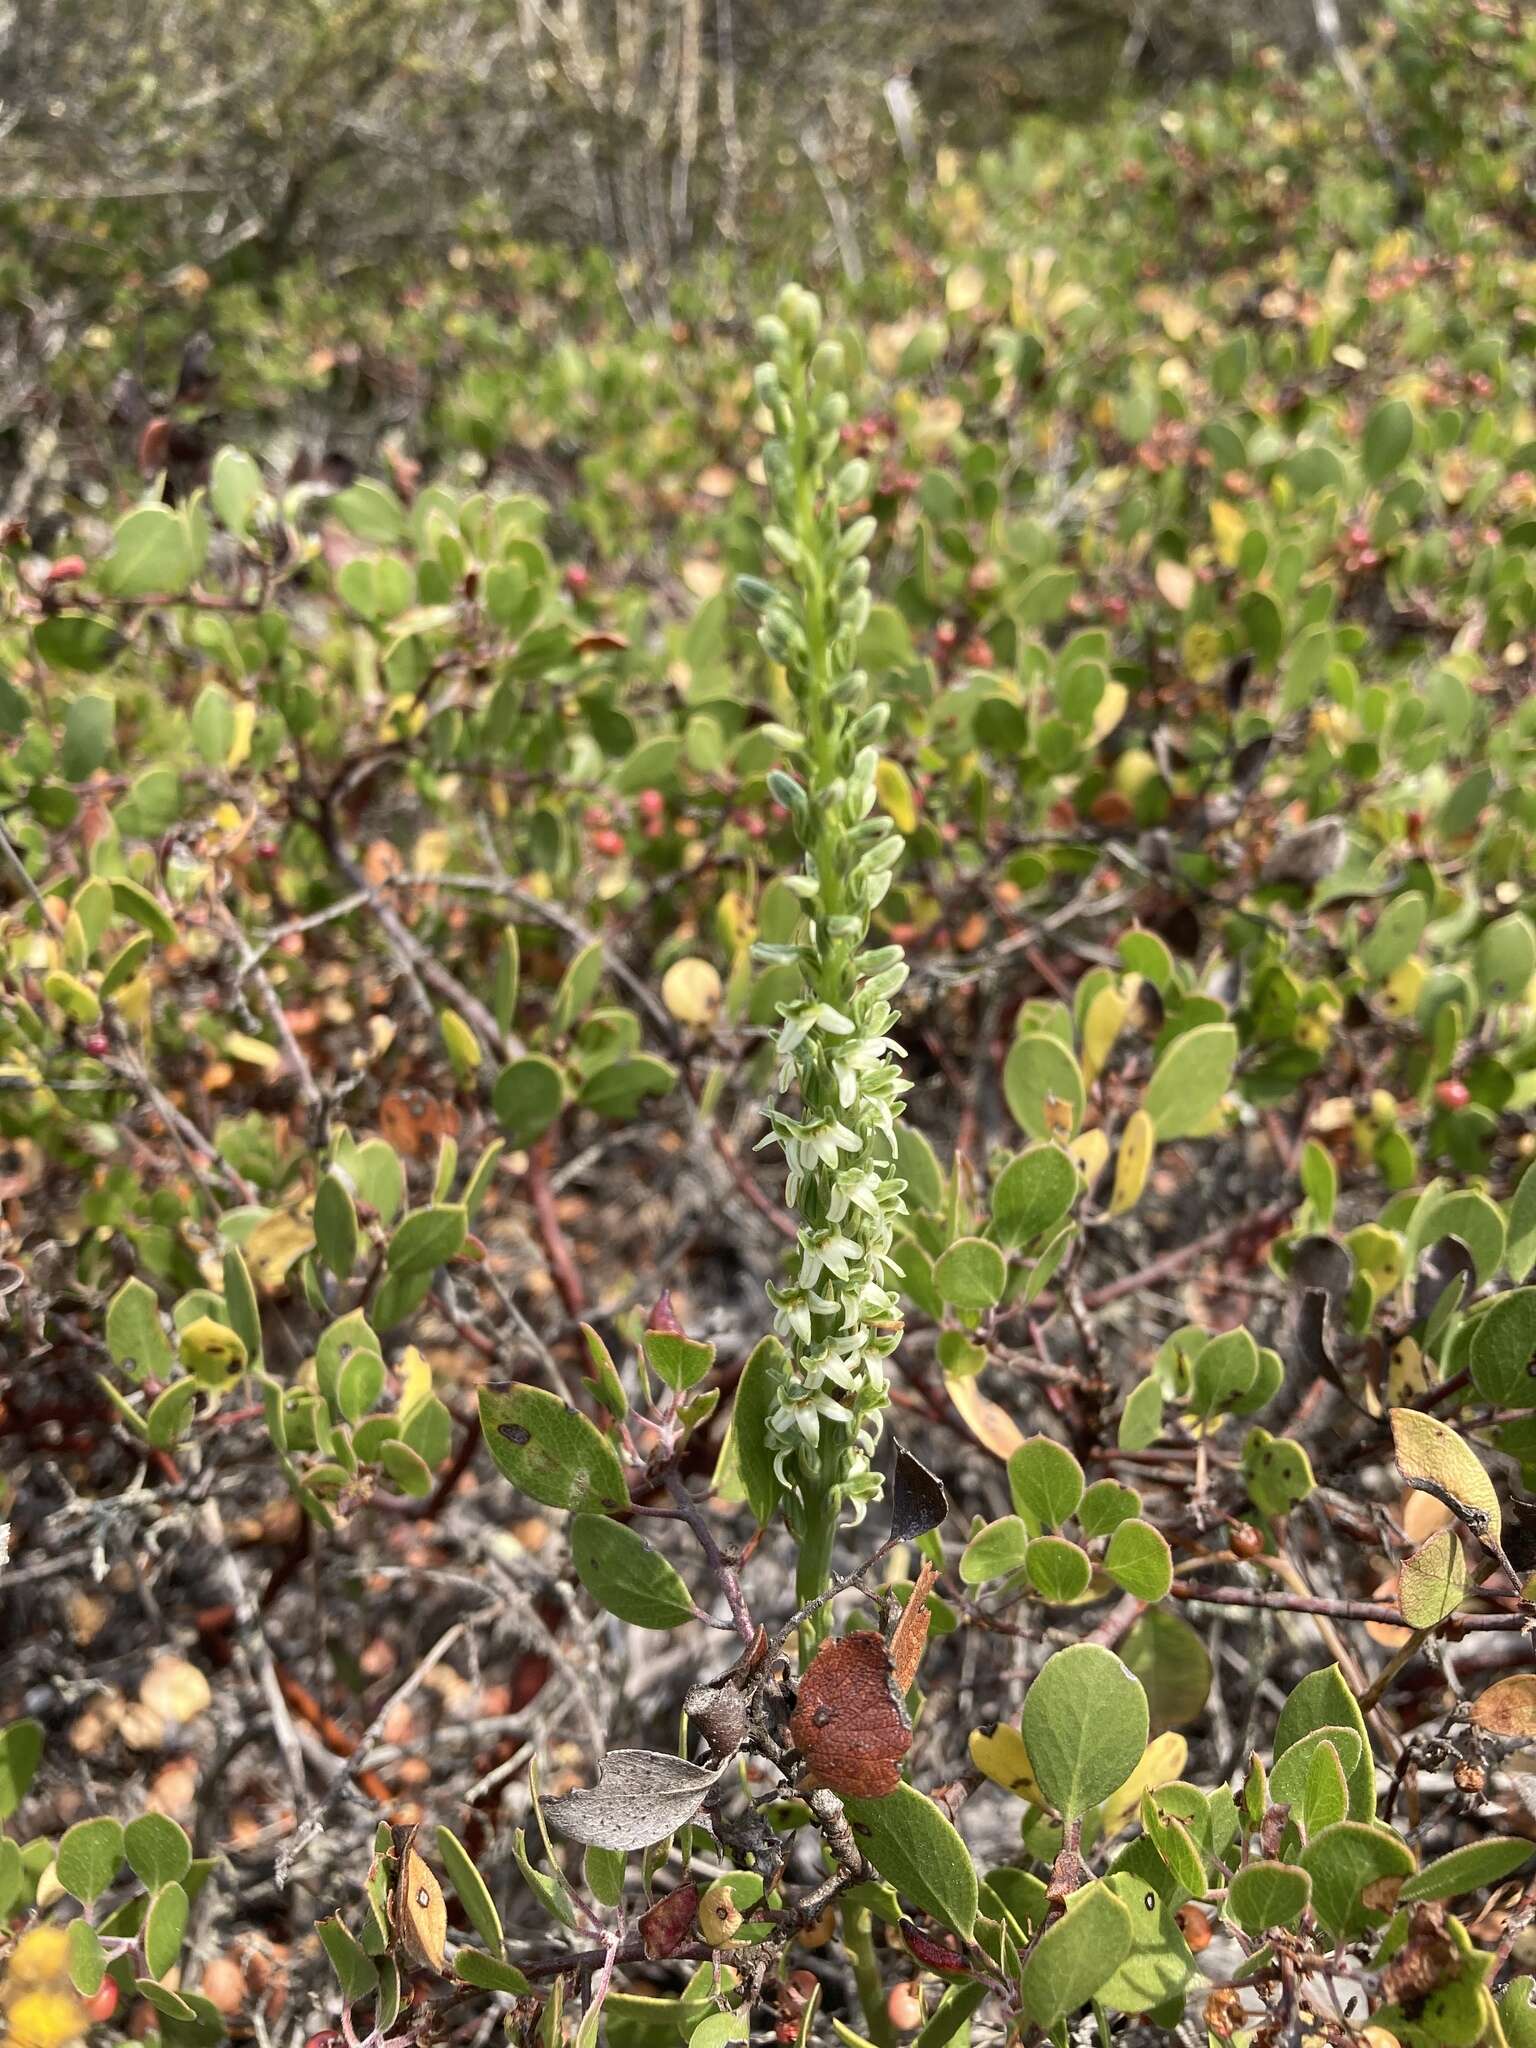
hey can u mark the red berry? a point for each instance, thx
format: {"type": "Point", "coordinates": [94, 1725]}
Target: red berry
{"type": "Point", "coordinates": [1452, 1094]}
{"type": "Point", "coordinates": [576, 579]}
{"type": "Point", "coordinates": [66, 569]}
{"type": "Point", "coordinates": [103, 2003]}
{"type": "Point", "coordinates": [609, 844]}
{"type": "Point", "coordinates": [96, 1044]}
{"type": "Point", "coordinates": [651, 803]}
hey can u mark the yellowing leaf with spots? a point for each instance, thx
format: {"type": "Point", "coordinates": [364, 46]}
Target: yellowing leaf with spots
{"type": "Point", "coordinates": [1433, 1455]}
{"type": "Point", "coordinates": [1408, 1373]}
{"type": "Point", "coordinates": [999, 1754]}
{"type": "Point", "coordinates": [1089, 1153]}
{"type": "Point", "coordinates": [275, 1245]}
{"type": "Point", "coordinates": [1400, 992]}
{"type": "Point", "coordinates": [1101, 1027]}
{"type": "Point", "coordinates": [1133, 1162]}
{"type": "Point", "coordinates": [212, 1354]}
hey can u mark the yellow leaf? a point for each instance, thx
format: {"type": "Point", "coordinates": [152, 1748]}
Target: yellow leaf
{"type": "Point", "coordinates": [1162, 1762]}
{"type": "Point", "coordinates": [415, 1376]}
{"type": "Point", "coordinates": [432, 852]}
{"type": "Point", "coordinates": [1229, 529]}
{"type": "Point", "coordinates": [1138, 1141]}
{"type": "Point", "coordinates": [240, 743]}
{"type": "Point", "coordinates": [461, 1042]}
{"type": "Point", "coordinates": [735, 919]}
{"type": "Point", "coordinates": [895, 794]}
{"type": "Point", "coordinates": [273, 1246]}
{"type": "Point", "coordinates": [1408, 1373]}
{"type": "Point", "coordinates": [1175, 582]}
{"type": "Point", "coordinates": [999, 1754]}
{"type": "Point", "coordinates": [214, 1355]}
{"type": "Point", "coordinates": [1109, 711]}
{"type": "Point", "coordinates": [1402, 988]}
{"type": "Point", "coordinates": [691, 990]}
{"type": "Point", "coordinates": [1089, 1153]}
{"type": "Point", "coordinates": [1101, 1027]}
{"type": "Point", "coordinates": [991, 1426]}
{"type": "Point", "coordinates": [1428, 1449]}
{"type": "Point", "coordinates": [963, 288]}
{"type": "Point", "coordinates": [255, 1052]}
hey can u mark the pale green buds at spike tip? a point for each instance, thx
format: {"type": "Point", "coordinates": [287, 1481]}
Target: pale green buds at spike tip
{"type": "Point", "coordinates": [837, 1309]}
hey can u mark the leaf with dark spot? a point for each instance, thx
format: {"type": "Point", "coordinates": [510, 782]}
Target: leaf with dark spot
{"type": "Point", "coordinates": [918, 1501]}
{"type": "Point", "coordinates": [641, 1796]}
{"type": "Point", "coordinates": [550, 1450]}
{"type": "Point", "coordinates": [850, 1723]}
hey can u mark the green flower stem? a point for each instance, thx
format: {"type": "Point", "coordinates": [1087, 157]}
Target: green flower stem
{"type": "Point", "coordinates": [858, 1934]}
{"type": "Point", "coordinates": [840, 1088]}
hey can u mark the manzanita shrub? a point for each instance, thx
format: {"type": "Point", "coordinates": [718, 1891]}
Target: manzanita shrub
{"type": "Point", "coordinates": [808, 1316]}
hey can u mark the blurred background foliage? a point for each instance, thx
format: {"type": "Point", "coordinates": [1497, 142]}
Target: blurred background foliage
{"type": "Point", "coordinates": [167, 166]}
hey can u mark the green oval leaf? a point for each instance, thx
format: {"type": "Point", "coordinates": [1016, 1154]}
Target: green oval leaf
{"type": "Point", "coordinates": [1139, 1561]}
{"type": "Point", "coordinates": [165, 1924]}
{"type": "Point", "coordinates": [1032, 1194]}
{"type": "Point", "coordinates": [427, 1238]}
{"type": "Point", "coordinates": [1268, 1895]}
{"type": "Point", "coordinates": [1075, 1955]}
{"type": "Point", "coordinates": [1045, 1482]}
{"type": "Point", "coordinates": [474, 1894]}
{"type": "Point", "coordinates": [1190, 1079]}
{"type": "Point", "coordinates": [528, 1096]}
{"type": "Point", "coordinates": [915, 1848]}
{"type": "Point", "coordinates": [1084, 1725]}
{"type": "Point", "coordinates": [971, 1275]}
{"type": "Point", "coordinates": [626, 1575]}
{"type": "Point", "coordinates": [89, 1857]}
{"type": "Point", "coordinates": [157, 1849]}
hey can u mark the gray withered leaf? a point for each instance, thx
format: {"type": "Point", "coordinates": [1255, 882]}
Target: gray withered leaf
{"type": "Point", "coordinates": [1309, 855]}
{"type": "Point", "coordinates": [1446, 1260]}
{"type": "Point", "coordinates": [641, 1796]}
{"type": "Point", "coordinates": [918, 1501]}
{"type": "Point", "coordinates": [1312, 1333]}
{"type": "Point", "coordinates": [1322, 1262]}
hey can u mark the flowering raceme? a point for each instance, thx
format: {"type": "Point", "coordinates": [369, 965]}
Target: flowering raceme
{"type": "Point", "coordinates": [837, 1310]}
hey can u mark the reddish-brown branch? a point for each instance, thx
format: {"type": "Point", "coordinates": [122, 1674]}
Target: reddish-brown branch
{"type": "Point", "coordinates": [308, 1709]}
{"type": "Point", "coordinates": [1261, 1223]}
{"type": "Point", "coordinates": [557, 1248]}
{"type": "Point", "coordinates": [1334, 1610]}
